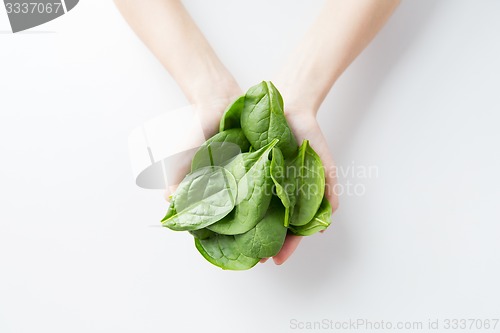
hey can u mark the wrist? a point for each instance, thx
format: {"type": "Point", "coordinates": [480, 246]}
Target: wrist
{"type": "Point", "coordinates": [213, 98]}
{"type": "Point", "coordinates": [214, 85]}
{"type": "Point", "coordinates": [304, 84]}
{"type": "Point", "coordinates": [210, 98]}
{"type": "Point", "coordinates": [297, 101]}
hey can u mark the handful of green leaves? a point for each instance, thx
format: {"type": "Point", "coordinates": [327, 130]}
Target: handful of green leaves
{"type": "Point", "coordinates": [249, 185]}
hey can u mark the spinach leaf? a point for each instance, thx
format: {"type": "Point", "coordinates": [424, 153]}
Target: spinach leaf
{"type": "Point", "coordinates": [202, 198]}
{"type": "Point", "coordinates": [171, 211]}
{"type": "Point", "coordinates": [223, 251]}
{"type": "Point", "coordinates": [277, 171]}
{"type": "Point", "coordinates": [232, 115]}
{"type": "Point", "coordinates": [202, 233]}
{"type": "Point", "coordinates": [251, 171]}
{"type": "Point", "coordinates": [307, 173]}
{"type": "Point", "coordinates": [263, 119]}
{"type": "Point", "coordinates": [220, 148]}
{"type": "Point", "coordinates": [321, 221]}
{"type": "Point", "coordinates": [267, 237]}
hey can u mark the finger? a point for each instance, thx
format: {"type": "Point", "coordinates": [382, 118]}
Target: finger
{"type": "Point", "coordinates": [320, 144]}
{"type": "Point", "coordinates": [169, 192]}
{"type": "Point", "coordinates": [166, 195]}
{"type": "Point", "coordinates": [330, 188]}
{"type": "Point", "coordinates": [263, 260]}
{"type": "Point", "coordinates": [330, 180]}
{"type": "Point", "coordinates": [331, 184]}
{"type": "Point", "coordinates": [178, 167]}
{"type": "Point", "coordinates": [291, 243]}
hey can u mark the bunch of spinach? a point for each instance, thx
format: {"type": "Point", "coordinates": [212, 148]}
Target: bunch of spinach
{"type": "Point", "coordinates": [250, 185]}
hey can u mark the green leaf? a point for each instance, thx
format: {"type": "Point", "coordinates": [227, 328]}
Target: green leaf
{"type": "Point", "coordinates": [277, 171]}
{"type": "Point", "coordinates": [171, 211]}
{"type": "Point", "coordinates": [263, 119]}
{"type": "Point", "coordinates": [321, 221]}
{"type": "Point", "coordinates": [251, 171]}
{"type": "Point", "coordinates": [267, 237]}
{"type": "Point", "coordinates": [202, 198]}
{"type": "Point", "coordinates": [202, 233]}
{"type": "Point", "coordinates": [307, 174]}
{"type": "Point", "coordinates": [220, 148]}
{"type": "Point", "coordinates": [232, 115]}
{"type": "Point", "coordinates": [223, 251]}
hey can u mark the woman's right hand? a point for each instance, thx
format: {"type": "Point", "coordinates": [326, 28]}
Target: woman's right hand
{"type": "Point", "coordinates": [305, 126]}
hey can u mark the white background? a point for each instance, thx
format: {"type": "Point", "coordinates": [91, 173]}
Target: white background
{"type": "Point", "coordinates": [80, 246]}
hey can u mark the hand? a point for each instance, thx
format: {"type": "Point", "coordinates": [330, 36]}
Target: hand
{"type": "Point", "coordinates": [305, 126]}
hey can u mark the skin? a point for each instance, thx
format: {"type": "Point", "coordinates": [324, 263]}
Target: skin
{"type": "Point", "coordinates": [341, 31]}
